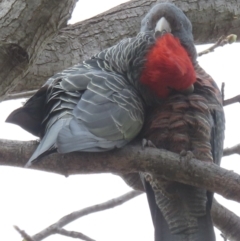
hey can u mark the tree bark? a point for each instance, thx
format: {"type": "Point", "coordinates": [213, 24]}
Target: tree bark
{"type": "Point", "coordinates": [25, 28]}
{"type": "Point", "coordinates": [130, 159]}
{"type": "Point", "coordinates": [76, 42]}
{"type": "Point", "coordinates": [226, 221]}
{"type": "Point", "coordinates": [35, 43]}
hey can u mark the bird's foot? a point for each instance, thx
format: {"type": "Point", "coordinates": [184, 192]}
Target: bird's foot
{"type": "Point", "coordinates": [187, 155]}
{"type": "Point", "coordinates": [147, 143]}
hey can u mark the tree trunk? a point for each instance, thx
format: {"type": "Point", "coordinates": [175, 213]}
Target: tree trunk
{"type": "Point", "coordinates": [33, 54]}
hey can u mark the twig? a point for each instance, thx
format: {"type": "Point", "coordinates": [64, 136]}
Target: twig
{"type": "Point", "coordinates": [20, 95]}
{"type": "Point", "coordinates": [54, 228]}
{"type": "Point", "coordinates": [224, 238]}
{"type": "Point", "coordinates": [220, 42]}
{"type": "Point", "coordinates": [73, 234]}
{"type": "Point", "coordinates": [223, 91]}
{"type": "Point", "coordinates": [24, 234]}
{"type": "Point", "coordinates": [231, 150]}
{"type": "Point", "coordinates": [233, 100]}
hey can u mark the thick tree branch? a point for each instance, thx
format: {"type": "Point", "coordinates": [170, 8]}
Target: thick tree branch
{"type": "Point", "coordinates": [54, 228]}
{"type": "Point", "coordinates": [80, 41]}
{"type": "Point", "coordinates": [232, 150]}
{"type": "Point", "coordinates": [128, 159]}
{"type": "Point", "coordinates": [25, 28]}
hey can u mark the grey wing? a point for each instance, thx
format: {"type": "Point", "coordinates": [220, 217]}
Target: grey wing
{"type": "Point", "coordinates": [108, 115]}
{"type": "Point", "coordinates": [91, 110]}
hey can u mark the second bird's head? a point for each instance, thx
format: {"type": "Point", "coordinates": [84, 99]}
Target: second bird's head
{"type": "Point", "coordinates": [165, 20]}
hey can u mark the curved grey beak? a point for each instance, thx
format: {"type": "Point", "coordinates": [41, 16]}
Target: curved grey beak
{"type": "Point", "coordinates": [162, 27]}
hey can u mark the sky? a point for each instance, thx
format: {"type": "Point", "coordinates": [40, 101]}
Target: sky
{"type": "Point", "coordinates": [33, 200]}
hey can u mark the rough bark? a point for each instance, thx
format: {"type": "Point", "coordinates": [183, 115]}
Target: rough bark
{"type": "Point", "coordinates": [35, 44]}
{"type": "Point", "coordinates": [210, 20]}
{"type": "Point", "coordinates": [128, 159]}
{"type": "Point", "coordinates": [226, 221]}
{"type": "Point", "coordinates": [25, 28]}
{"type": "Point", "coordinates": [232, 150]}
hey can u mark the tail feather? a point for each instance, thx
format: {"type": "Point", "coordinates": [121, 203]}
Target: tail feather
{"type": "Point", "coordinates": [203, 232]}
{"type": "Point", "coordinates": [29, 117]}
{"type": "Point", "coordinates": [47, 143]}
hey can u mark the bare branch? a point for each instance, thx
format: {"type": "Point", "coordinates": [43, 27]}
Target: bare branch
{"type": "Point", "coordinates": [226, 221]}
{"type": "Point", "coordinates": [20, 95]}
{"type": "Point", "coordinates": [73, 234]}
{"type": "Point", "coordinates": [224, 238]}
{"type": "Point", "coordinates": [233, 100]}
{"type": "Point", "coordinates": [232, 150]}
{"type": "Point", "coordinates": [223, 91]}
{"type": "Point", "coordinates": [220, 43]}
{"type": "Point", "coordinates": [223, 219]}
{"type": "Point", "coordinates": [126, 160]}
{"type": "Point", "coordinates": [24, 234]}
{"type": "Point", "coordinates": [54, 228]}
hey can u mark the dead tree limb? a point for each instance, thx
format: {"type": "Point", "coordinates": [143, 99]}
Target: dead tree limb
{"type": "Point", "coordinates": [223, 219]}
{"type": "Point", "coordinates": [233, 100]}
{"type": "Point", "coordinates": [220, 43]}
{"type": "Point", "coordinates": [232, 150]}
{"type": "Point", "coordinates": [56, 227]}
{"type": "Point", "coordinates": [226, 221]}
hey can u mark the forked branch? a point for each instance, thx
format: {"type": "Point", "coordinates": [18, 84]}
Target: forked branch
{"type": "Point", "coordinates": [57, 228]}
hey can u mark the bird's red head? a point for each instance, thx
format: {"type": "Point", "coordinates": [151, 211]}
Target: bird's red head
{"type": "Point", "coordinates": [167, 67]}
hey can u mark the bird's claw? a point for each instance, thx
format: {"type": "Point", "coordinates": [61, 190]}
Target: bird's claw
{"type": "Point", "coordinates": [188, 155]}
{"type": "Point", "coordinates": [147, 143]}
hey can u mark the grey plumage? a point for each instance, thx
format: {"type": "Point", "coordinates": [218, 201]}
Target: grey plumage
{"type": "Point", "coordinates": [93, 106]}
{"type": "Point", "coordinates": [192, 123]}
{"type": "Point", "coordinates": [97, 105]}
{"type": "Point", "coordinates": [101, 104]}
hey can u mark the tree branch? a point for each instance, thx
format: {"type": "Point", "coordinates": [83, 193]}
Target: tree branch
{"type": "Point", "coordinates": [126, 160]}
{"type": "Point", "coordinates": [220, 43]}
{"type": "Point", "coordinates": [20, 95]}
{"type": "Point", "coordinates": [22, 41]}
{"type": "Point", "coordinates": [56, 227]}
{"type": "Point", "coordinates": [226, 221]}
{"type": "Point", "coordinates": [231, 150]}
{"type": "Point", "coordinates": [73, 234]}
{"type": "Point", "coordinates": [24, 234]}
{"type": "Point", "coordinates": [223, 219]}
{"type": "Point", "coordinates": [233, 100]}
{"type": "Point", "coordinates": [77, 42]}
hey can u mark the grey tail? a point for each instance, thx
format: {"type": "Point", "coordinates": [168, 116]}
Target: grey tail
{"type": "Point", "coordinates": [47, 144]}
{"type": "Point", "coordinates": [205, 231]}
{"type": "Point", "coordinates": [29, 117]}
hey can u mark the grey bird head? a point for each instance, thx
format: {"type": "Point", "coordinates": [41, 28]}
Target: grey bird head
{"type": "Point", "coordinates": [166, 17]}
